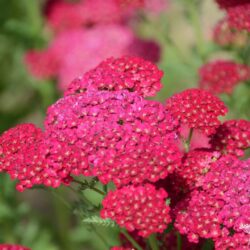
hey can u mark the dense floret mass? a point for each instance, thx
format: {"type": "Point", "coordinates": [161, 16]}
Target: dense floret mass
{"type": "Point", "coordinates": [141, 208]}
{"type": "Point", "coordinates": [220, 207]}
{"type": "Point", "coordinates": [131, 73]}
{"type": "Point", "coordinates": [232, 137]}
{"type": "Point", "coordinates": [239, 17]}
{"type": "Point", "coordinates": [124, 137]}
{"type": "Point", "coordinates": [198, 109]}
{"type": "Point", "coordinates": [231, 3]}
{"type": "Point", "coordinates": [222, 76]}
{"type": "Point", "coordinates": [195, 164]}
{"type": "Point", "coordinates": [12, 247]}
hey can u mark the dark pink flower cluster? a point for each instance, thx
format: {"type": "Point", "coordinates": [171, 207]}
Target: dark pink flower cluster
{"type": "Point", "coordinates": [239, 17]}
{"type": "Point", "coordinates": [220, 207]}
{"type": "Point", "coordinates": [195, 164]}
{"type": "Point", "coordinates": [124, 137]}
{"type": "Point", "coordinates": [141, 208]}
{"type": "Point", "coordinates": [222, 76]}
{"type": "Point", "coordinates": [12, 247]}
{"type": "Point", "coordinates": [131, 73]}
{"type": "Point", "coordinates": [238, 13]}
{"type": "Point", "coordinates": [231, 3]}
{"type": "Point", "coordinates": [198, 109]}
{"type": "Point", "coordinates": [232, 137]}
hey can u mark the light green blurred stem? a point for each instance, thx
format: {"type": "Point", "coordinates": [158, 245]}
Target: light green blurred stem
{"type": "Point", "coordinates": [131, 239]}
{"type": "Point", "coordinates": [179, 241]}
{"type": "Point", "coordinates": [194, 15]}
{"type": "Point", "coordinates": [187, 143]}
{"type": "Point", "coordinates": [153, 242]}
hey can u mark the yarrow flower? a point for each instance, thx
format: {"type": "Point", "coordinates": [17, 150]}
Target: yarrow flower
{"type": "Point", "coordinates": [131, 73]}
{"type": "Point", "coordinates": [141, 208]}
{"type": "Point", "coordinates": [239, 17]}
{"type": "Point", "coordinates": [74, 52]}
{"type": "Point", "coordinates": [232, 137]}
{"type": "Point", "coordinates": [12, 247]}
{"type": "Point", "coordinates": [124, 137]}
{"type": "Point", "coordinates": [222, 76]}
{"type": "Point", "coordinates": [231, 3]}
{"type": "Point", "coordinates": [198, 109]}
{"type": "Point", "coordinates": [221, 205]}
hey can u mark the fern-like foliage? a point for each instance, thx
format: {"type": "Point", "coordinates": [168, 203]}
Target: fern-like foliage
{"type": "Point", "coordinates": [100, 222]}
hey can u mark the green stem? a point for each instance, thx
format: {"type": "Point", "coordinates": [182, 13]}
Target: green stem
{"type": "Point", "coordinates": [179, 241]}
{"type": "Point", "coordinates": [188, 141]}
{"type": "Point", "coordinates": [86, 184]}
{"type": "Point", "coordinates": [131, 239]}
{"type": "Point", "coordinates": [153, 242]}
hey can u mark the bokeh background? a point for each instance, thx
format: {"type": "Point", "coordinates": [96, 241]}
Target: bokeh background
{"type": "Point", "coordinates": [178, 34]}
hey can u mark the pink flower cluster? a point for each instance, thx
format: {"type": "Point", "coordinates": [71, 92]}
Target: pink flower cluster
{"type": "Point", "coordinates": [220, 206]}
{"type": "Point", "coordinates": [126, 73]}
{"type": "Point", "coordinates": [198, 109]}
{"type": "Point", "coordinates": [232, 137]}
{"type": "Point", "coordinates": [12, 247]}
{"type": "Point", "coordinates": [238, 13]}
{"type": "Point", "coordinates": [222, 76]}
{"type": "Point", "coordinates": [141, 208]}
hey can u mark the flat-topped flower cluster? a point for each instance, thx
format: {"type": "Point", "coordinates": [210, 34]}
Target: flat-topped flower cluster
{"type": "Point", "coordinates": [105, 127]}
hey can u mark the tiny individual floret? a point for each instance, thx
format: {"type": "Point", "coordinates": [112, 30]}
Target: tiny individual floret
{"type": "Point", "coordinates": [198, 109]}
{"type": "Point", "coordinates": [124, 137]}
{"type": "Point", "coordinates": [232, 137]}
{"type": "Point", "coordinates": [12, 247]}
{"type": "Point", "coordinates": [141, 208]}
{"type": "Point", "coordinates": [222, 76]}
{"type": "Point", "coordinates": [220, 206]}
{"type": "Point", "coordinates": [131, 73]}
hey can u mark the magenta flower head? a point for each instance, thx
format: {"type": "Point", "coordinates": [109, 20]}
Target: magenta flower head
{"type": "Point", "coordinates": [220, 207]}
{"type": "Point", "coordinates": [13, 143]}
{"type": "Point", "coordinates": [125, 73]}
{"type": "Point", "coordinates": [124, 137]}
{"type": "Point", "coordinates": [239, 17]}
{"type": "Point", "coordinates": [222, 76]}
{"type": "Point", "coordinates": [232, 137]}
{"type": "Point", "coordinates": [198, 109]}
{"type": "Point", "coordinates": [140, 208]}
{"type": "Point", "coordinates": [12, 247]}
{"type": "Point", "coordinates": [231, 3]}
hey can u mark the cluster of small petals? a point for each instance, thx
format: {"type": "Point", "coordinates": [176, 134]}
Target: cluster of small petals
{"type": "Point", "coordinates": [198, 109]}
{"type": "Point", "coordinates": [124, 137]}
{"type": "Point", "coordinates": [222, 76]}
{"type": "Point", "coordinates": [128, 4]}
{"type": "Point", "coordinates": [231, 3]}
{"type": "Point", "coordinates": [125, 73]}
{"type": "Point", "coordinates": [141, 208]}
{"type": "Point", "coordinates": [238, 241]}
{"type": "Point", "coordinates": [122, 248]}
{"type": "Point", "coordinates": [239, 17]}
{"type": "Point", "coordinates": [14, 142]}
{"type": "Point", "coordinates": [224, 35]}
{"type": "Point", "coordinates": [12, 247]}
{"type": "Point", "coordinates": [195, 165]}
{"type": "Point", "coordinates": [73, 52]}
{"type": "Point", "coordinates": [220, 206]}
{"type": "Point", "coordinates": [232, 137]}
